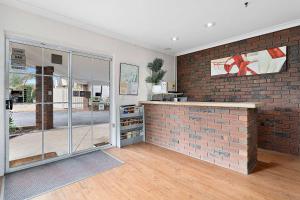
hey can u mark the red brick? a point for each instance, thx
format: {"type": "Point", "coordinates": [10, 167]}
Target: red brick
{"type": "Point", "coordinates": [223, 144]}
{"type": "Point", "coordinates": [278, 90]}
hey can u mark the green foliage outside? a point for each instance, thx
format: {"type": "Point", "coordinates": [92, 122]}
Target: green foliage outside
{"type": "Point", "coordinates": [12, 125]}
{"type": "Point", "coordinates": [22, 82]}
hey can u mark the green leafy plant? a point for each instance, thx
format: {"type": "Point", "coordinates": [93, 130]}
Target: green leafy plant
{"type": "Point", "coordinates": [157, 73]}
{"type": "Point", "coordinates": [12, 126]}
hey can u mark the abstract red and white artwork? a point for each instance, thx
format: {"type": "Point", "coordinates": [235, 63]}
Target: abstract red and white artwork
{"type": "Point", "coordinates": [260, 62]}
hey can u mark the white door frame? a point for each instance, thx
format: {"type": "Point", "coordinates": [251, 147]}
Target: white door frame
{"type": "Point", "coordinates": [70, 51]}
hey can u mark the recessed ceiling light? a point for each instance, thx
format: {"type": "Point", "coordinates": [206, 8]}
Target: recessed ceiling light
{"type": "Point", "coordinates": [175, 38]}
{"type": "Point", "coordinates": [210, 24]}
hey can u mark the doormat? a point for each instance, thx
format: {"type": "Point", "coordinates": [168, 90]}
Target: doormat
{"type": "Point", "coordinates": [36, 181]}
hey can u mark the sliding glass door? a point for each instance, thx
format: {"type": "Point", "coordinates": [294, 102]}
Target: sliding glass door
{"type": "Point", "coordinates": [57, 104]}
{"type": "Point", "coordinates": [90, 103]}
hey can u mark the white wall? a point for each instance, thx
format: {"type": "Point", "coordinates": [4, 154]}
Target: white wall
{"type": "Point", "coordinates": [17, 22]}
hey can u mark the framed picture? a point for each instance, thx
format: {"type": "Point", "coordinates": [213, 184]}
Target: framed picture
{"type": "Point", "coordinates": [129, 79]}
{"type": "Point", "coordinates": [260, 62]}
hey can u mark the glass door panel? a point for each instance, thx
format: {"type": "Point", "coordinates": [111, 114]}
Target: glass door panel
{"type": "Point", "coordinates": [82, 130]}
{"type": "Point", "coordinates": [101, 118]}
{"type": "Point", "coordinates": [25, 133]}
{"type": "Point", "coordinates": [90, 102]}
{"type": "Point", "coordinates": [101, 102]}
{"type": "Point", "coordinates": [81, 116]}
{"type": "Point", "coordinates": [56, 108]}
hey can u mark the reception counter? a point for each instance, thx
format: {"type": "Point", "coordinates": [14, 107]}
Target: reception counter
{"type": "Point", "coordinates": [221, 133]}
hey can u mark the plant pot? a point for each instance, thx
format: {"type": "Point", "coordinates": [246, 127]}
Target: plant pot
{"type": "Point", "coordinates": [156, 89]}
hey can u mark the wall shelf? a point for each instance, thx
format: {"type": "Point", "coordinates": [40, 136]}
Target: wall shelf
{"type": "Point", "coordinates": [133, 140]}
{"type": "Point", "coordinates": [132, 126]}
{"type": "Point", "coordinates": [131, 115]}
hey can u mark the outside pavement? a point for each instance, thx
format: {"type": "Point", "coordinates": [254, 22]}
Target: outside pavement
{"type": "Point", "coordinates": [60, 118]}
{"type": "Point", "coordinates": [84, 135]}
{"type": "Point", "coordinates": [56, 140]}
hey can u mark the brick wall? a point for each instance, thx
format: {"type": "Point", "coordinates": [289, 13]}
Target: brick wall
{"type": "Point", "coordinates": [223, 136]}
{"type": "Point", "coordinates": [48, 97]}
{"type": "Point", "coordinates": [278, 120]}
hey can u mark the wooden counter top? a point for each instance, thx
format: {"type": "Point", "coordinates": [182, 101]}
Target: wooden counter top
{"type": "Point", "coordinates": [206, 104]}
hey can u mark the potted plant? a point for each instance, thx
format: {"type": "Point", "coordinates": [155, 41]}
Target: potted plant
{"type": "Point", "coordinates": [157, 74]}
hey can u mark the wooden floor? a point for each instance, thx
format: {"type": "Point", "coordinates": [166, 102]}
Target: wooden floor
{"type": "Point", "coordinates": [150, 172]}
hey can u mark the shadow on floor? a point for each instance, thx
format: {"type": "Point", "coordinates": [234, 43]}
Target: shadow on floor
{"type": "Point", "coordinates": [261, 165]}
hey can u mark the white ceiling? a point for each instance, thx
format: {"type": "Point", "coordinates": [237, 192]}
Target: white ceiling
{"type": "Point", "coordinates": [152, 23]}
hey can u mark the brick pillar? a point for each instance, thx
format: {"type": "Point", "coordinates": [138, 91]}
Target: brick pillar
{"type": "Point", "coordinates": [48, 97]}
{"type": "Point", "coordinates": [85, 87]}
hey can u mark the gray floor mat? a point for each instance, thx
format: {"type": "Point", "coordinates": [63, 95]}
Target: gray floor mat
{"type": "Point", "coordinates": [32, 182]}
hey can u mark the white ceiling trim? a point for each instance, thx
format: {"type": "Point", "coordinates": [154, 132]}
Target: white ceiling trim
{"type": "Point", "coordinates": [27, 7]}
{"type": "Point", "coordinates": [107, 33]}
{"type": "Point", "coordinates": [242, 37]}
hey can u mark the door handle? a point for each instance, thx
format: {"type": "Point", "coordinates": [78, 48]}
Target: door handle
{"type": "Point", "coordinates": [9, 104]}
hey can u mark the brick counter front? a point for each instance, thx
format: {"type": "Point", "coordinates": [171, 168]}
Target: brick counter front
{"type": "Point", "coordinates": [223, 136]}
